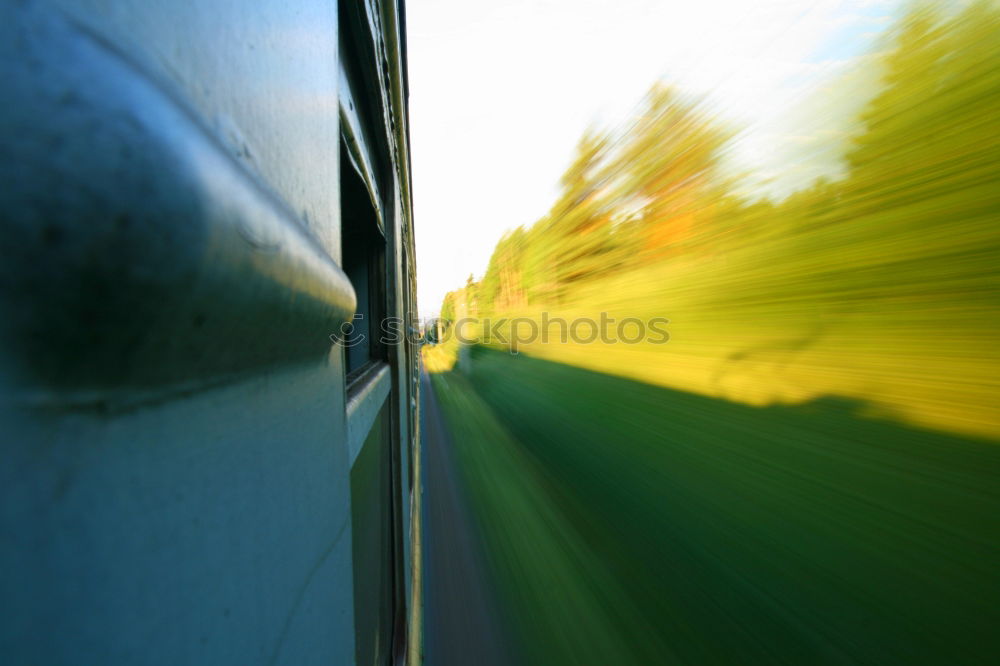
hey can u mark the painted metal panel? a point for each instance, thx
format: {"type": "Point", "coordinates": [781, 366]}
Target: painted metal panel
{"type": "Point", "coordinates": [138, 254]}
{"type": "Point", "coordinates": [363, 406]}
{"type": "Point", "coordinates": [175, 486]}
{"type": "Point", "coordinates": [211, 529]}
{"type": "Point", "coordinates": [262, 76]}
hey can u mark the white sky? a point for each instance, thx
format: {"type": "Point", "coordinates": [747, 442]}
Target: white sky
{"type": "Point", "coordinates": [501, 90]}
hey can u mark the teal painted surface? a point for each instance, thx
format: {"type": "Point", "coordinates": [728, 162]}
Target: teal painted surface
{"type": "Point", "coordinates": [175, 486]}
{"type": "Point", "coordinates": [209, 529]}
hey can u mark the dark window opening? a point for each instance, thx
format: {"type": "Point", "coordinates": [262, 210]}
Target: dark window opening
{"type": "Point", "coordinates": [363, 252]}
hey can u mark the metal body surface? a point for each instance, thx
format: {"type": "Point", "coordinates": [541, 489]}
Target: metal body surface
{"type": "Point", "coordinates": [177, 416]}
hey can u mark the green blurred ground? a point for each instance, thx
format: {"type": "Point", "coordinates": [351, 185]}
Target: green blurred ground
{"type": "Point", "coordinates": [627, 523]}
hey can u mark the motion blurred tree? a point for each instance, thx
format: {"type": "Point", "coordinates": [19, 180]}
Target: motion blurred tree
{"type": "Point", "coordinates": [627, 195]}
{"type": "Point", "coordinates": [502, 286]}
{"type": "Point", "coordinates": [916, 212]}
{"type": "Point", "coordinates": [933, 127]}
{"type": "Point", "coordinates": [668, 163]}
{"type": "Point", "coordinates": [448, 307]}
{"type": "Point", "coordinates": [575, 241]}
{"type": "Point", "coordinates": [923, 177]}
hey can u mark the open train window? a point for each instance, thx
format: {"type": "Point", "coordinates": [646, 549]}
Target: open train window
{"type": "Point", "coordinates": [363, 248]}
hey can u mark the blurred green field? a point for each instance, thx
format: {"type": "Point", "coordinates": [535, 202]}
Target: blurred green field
{"type": "Point", "coordinates": [633, 524]}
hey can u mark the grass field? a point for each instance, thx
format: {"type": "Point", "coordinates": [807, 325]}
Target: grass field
{"type": "Point", "coordinates": [631, 523]}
